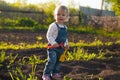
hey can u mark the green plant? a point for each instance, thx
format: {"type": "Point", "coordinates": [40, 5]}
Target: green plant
{"type": "Point", "coordinates": [12, 58]}
{"type": "Point", "coordinates": [67, 78]}
{"type": "Point", "coordinates": [48, 9]}
{"type": "Point", "coordinates": [6, 46]}
{"type": "Point", "coordinates": [35, 60]}
{"type": "Point", "coordinates": [96, 43]}
{"type": "Point", "coordinates": [11, 76]}
{"type": "Point", "coordinates": [19, 72]}
{"type": "Point", "coordinates": [40, 28]}
{"type": "Point", "coordinates": [100, 78]}
{"type": "Point", "coordinates": [81, 54]}
{"type": "Point", "coordinates": [101, 55]}
{"type": "Point", "coordinates": [3, 56]}
{"type": "Point", "coordinates": [21, 76]}
{"type": "Point", "coordinates": [8, 22]}
{"type": "Point", "coordinates": [117, 42]}
{"type": "Point", "coordinates": [26, 22]}
{"type": "Point", "coordinates": [7, 60]}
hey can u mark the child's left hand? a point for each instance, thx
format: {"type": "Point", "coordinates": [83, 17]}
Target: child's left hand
{"type": "Point", "coordinates": [66, 47]}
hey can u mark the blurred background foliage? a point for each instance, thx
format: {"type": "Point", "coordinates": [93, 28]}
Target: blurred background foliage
{"type": "Point", "coordinates": [43, 10]}
{"type": "Point", "coordinates": [21, 14]}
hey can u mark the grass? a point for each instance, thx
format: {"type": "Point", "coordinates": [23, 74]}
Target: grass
{"type": "Point", "coordinates": [21, 46]}
{"type": "Point", "coordinates": [92, 30]}
{"type": "Point", "coordinates": [38, 44]}
{"type": "Point", "coordinates": [76, 29]}
{"type": "Point", "coordinates": [25, 28]}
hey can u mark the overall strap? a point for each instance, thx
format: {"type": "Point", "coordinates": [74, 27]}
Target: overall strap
{"type": "Point", "coordinates": [61, 36]}
{"type": "Point", "coordinates": [58, 26]}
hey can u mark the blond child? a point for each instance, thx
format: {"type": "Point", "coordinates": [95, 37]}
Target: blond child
{"type": "Point", "coordinates": [56, 35]}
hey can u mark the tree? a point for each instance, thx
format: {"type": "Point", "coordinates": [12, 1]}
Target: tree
{"type": "Point", "coordinates": [115, 5]}
{"type": "Point", "coordinates": [48, 8]}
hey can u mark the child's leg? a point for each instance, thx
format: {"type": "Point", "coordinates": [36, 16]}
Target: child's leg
{"type": "Point", "coordinates": [56, 68]}
{"type": "Point", "coordinates": [57, 65]}
{"type": "Point", "coordinates": [52, 58]}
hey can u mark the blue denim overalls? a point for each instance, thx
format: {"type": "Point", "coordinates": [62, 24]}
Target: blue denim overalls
{"type": "Point", "coordinates": [53, 64]}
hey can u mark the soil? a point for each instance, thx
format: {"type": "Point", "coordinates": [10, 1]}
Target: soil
{"type": "Point", "coordinates": [96, 69]}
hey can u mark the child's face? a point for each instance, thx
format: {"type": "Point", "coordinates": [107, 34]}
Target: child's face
{"type": "Point", "coordinates": [60, 16]}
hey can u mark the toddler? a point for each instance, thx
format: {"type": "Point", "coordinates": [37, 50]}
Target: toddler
{"type": "Point", "coordinates": [57, 43]}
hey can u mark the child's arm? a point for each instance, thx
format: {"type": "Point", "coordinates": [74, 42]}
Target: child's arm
{"type": "Point", "coordinates": [52, 34]}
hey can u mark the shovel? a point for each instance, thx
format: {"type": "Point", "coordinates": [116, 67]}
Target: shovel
{"type": "Point", "coordinates": [63, 56]}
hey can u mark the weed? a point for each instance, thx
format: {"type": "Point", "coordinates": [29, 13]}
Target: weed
{"type": "Point", "coordinates": [81, 54]}
{"type": "Point", "coordinates": [67, 78]}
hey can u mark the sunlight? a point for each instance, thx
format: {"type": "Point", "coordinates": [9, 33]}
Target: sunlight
{"type": "Point", "coordinates": [88, 3]}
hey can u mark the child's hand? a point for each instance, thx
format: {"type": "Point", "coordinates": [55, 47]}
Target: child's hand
{"type": "Point", "coordinates": [66, 47]}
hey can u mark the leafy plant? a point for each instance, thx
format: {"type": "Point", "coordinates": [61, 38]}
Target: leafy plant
{"type": "Point", "coordinates": [35, 60]}
{"type": "Point", "coordinates": [5, 46]}
{"type": "Point", "coordinates": [3, 57]}
{"type": "Point", "coordinates": [19, 71]}
{"type": "Point", "coordinates": [101, 55]}
{"type": "Point", "coordinates": [26, 22]}
{"type": "Point", "coordinates": [67, 78]}
{"type": "Point", "coordinates": [8, 22]}
{"type": "Point", "coordinates": [100, 78]}
{"type": "Point", "coordinates": [81, 54]}
{"type": "Point", "coordinates": [12, 58]}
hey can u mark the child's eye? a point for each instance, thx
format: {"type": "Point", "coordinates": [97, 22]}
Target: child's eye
{"type": "Point", "coordinates": [63, 15]}
{"type": "Point", "coordinates": [58, 14]}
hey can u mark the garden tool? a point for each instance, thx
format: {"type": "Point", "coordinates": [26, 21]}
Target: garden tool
{"type": "Point", "coordinates": [63, 56]}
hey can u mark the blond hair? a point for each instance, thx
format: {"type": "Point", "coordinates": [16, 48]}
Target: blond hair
{"type": "Point", "coordinates": [63, 8]}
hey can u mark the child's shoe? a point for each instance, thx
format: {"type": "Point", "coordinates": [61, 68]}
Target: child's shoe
{"type": "Point", "coordinates": [44, 77]}
{"type": "Point", "coordinates": [57, 75]}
